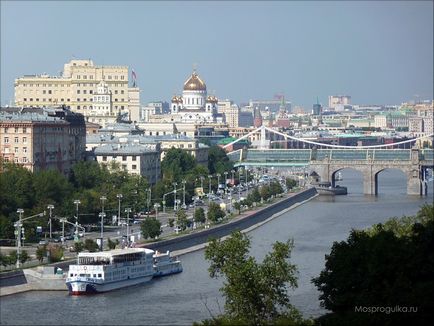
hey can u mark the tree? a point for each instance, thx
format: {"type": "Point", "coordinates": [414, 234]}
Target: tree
{"type": "Point", "coordinates": [171, 222]}
{"type": "Point", "coordinates": [90, 245]}
{"type": "Point", "coordinates": [290, 183]}
{"type": "Point", "coordinates": [24, 256]}
{"type": "Point", "coordinates": [254, 196]}
{"type": "Point", "coordinates": [41, 251]}
{"type": "Point", "coordinates": [150, 227]}
{"type": "Point", "coordinates": [181, 219]}
{"type": "Point", "coordinates": [255, 293]}
{"type": "Point", "coordinates": [237, 206]}
{"type": "Point", "coordinates": [215, 213]}
{"type": "Point", "coordinates": [199, 215]}
{"type": "Point", "coordinates": [387, 265]}
{"type": "Point", "coordinates": [78, 247]}
{"type": "Point", "coordinates": [176, 163]}
{"type": "Point", "coordinates": [112, 244]}
{"type": "Point", "coordinates": [56, 253]}
{"type": "Point", "coordinates": [218, 161]}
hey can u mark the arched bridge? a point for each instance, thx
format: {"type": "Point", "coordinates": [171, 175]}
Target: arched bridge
{"type": "Point", "coordinates": [327, 162]}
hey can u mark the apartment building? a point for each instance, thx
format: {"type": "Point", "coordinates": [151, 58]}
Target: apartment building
{"type": "Point", "coordinates": [76, 87]}
{"type": "Point", "coordinates": [41, 139]}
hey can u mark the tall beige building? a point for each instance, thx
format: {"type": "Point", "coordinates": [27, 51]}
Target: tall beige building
{"type": "Point", "coordinates": [76, 88]}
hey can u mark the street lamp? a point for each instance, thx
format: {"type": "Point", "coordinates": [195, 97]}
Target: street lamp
{"type": "Point", "coordinates": [226, 178]}
{"type": "Point", "coordinates": [233, 180]}
{"type": "Point", "coordinates": [247, 182]}
{"type": "Point", "coordinates": [218, 182]}
{"type": "Point", "coordinates": [18, 225]}
{"type": "Point", "coordinates": [50, 207]}
{"type": "Point", "coordinates": [119, 196]}
{"type": "Point", "coordinates": [102, 216]}
{"type": "Point", "coordinates": [149, 198]}
{"type": "Point", "coordinates": [174, 191]}
{"type": "Point", "coordinates": [156, 207]}
{"type": "Point", "coordinates": [128, 211]}
{"type": "Point", "coordinates": [183, 188]}
{"type": "Point", "coordinates": [201, 181]}
{"type": "Point", "coordinates": [209, 188]}
{"type": "Point", "coordinates": [103, 199]}
{"type": "Point", "coordinates": [76, 202]}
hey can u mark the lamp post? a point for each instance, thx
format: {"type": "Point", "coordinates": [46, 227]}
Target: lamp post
{"type": "Point", "coordinates": [76, 202]}
{"type": "Point", "coordinates": [128, 211]}
{"type": "Point", "coordinates": [102, 215]}
{"type": "Point", "coordinates": [183, 194]}
{"type": "Point", "coordinates": [174, 191]}
{"type": "Point", "coordinates": [149, 198]}
{"type": "Point", "coordinates": [156, 207]}
{"type": "Point", "coordinates": [50, 207]}
{"type": "Point", "coordinates": [119, 196]}
{"type": "Point", "coordinates": [18, 225]}
{"type": "Point", "coordinates": [209, 188]}
{"type": "Point", "coordinates": [218, 182]}
{"type": "Point", "coordinates": [233, 180]}
{"type": "Point", "coordinates": [226, 178]}
{"type": "Point", "coordinates": [201, 181]}
{"type": "Point", "coordinates": [240, 171]}
{"type": "Point", "coordinates": [247, 182]}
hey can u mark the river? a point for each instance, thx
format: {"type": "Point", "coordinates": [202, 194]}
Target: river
{"type": "Point", "coordinates": [192, 295]}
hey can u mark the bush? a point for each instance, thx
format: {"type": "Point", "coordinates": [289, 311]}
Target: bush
{"type": "Point", "coordinates": [90, 245]}
{"type": "Point", "coordinates": [55, 252]}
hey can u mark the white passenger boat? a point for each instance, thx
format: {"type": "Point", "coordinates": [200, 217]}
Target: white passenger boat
{"type": "Point", "coordinates": [110, 270]}
{"type": "Point", "coordinates": [164, 264]}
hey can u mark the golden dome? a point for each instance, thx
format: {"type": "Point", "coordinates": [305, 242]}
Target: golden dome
{"type": "Point", "coordinates": [194, 83]}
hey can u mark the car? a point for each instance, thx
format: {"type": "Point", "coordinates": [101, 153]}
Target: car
{"type": "Point", "coordinates": [43, 242]}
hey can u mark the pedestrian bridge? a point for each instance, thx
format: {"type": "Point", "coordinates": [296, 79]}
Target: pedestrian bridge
{"type": "Point", "coordinates": [327, 162]}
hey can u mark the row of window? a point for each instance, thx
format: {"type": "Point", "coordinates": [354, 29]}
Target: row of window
{"type": "Point", "coordinates": [16, 150]}
{"type": "Point", "coordinates": [16, 130]}
{"type": "Point", "coordinates": [16, 159]}
{"type": "Point", "coordinates": [124, 158]}
{"type": "Point", "coordinates": [66, 85]}
{"type": "Point", "coordinates": [116, 77]}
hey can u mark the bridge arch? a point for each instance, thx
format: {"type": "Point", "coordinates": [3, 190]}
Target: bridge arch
{"type": "Point", "coordinates": [357, 173]}
{"type": "Point", "coordinates": [400, 175]}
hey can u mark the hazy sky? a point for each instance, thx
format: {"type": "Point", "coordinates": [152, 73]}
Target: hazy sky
{"type": "Point", "coordinates": [377, 52]}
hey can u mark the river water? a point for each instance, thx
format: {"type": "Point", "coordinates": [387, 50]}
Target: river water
{"type": "Point", "coordinates": [193, 296]}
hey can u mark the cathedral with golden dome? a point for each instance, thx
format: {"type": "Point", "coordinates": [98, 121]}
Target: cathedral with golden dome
{"type": "Point", "coordinates": [194, 105]}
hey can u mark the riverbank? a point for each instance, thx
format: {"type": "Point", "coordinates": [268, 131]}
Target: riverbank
{"type": "Point", "coordinates": [180, 245]}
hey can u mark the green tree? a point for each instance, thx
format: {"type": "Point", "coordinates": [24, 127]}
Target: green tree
{"type": "Point", "coordinates": [218, 161]}
{"type": "Point", "coordinates": [50, 186]}
{"type": "Point", "coordinates": [181, 219]}
{"type": "Point", "coordinates": [41, 251]}
{"type": "Point", "coordinates": [78, 246]}
{"type": "Point", "coordinates": [90, 245]}
{"type": "Point", "coordinates": [215, 213]}
{"type": "Point", "coordinates": [56, 253]}
{"type": "Point", "coordinates": [12, 257]}
{"type": "Point", "coordinates": [4, 260]}
{"type": "Point", "coordinates": [388, 265]}
{"type": "Point", "coordinates": [171, 222]}
{"type": "Point", "coordinates": [199, 215]}
{"type": "Point", "coordinates": [176, 163]}
{"type": "Point", "coordinates": [265, 192]}
{"type": "Point", "coordinates": [237, 206]}
{"type": "Point", "coordinates": [290, 183]}
{"type": "Point", "coordinates": [254, 196]}
{"type": "Point", "coordinates": [255, 293]}
{"type": "Point", "coordinates": [24, 256]}
{"type": "Point", "coordinates": [112, 244]}
{"type": "Point", "coordinates": [150, 227]}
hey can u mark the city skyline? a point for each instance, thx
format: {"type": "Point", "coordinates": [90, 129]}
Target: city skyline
{"type": "Point", "coordinates": [243, 50]}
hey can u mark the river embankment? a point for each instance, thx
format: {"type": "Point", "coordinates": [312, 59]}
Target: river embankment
{"type": "Point", "coordinates": [29, 280]}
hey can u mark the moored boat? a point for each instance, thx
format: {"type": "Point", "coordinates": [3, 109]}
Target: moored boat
{"type": "Point", "coordinates": [97, 272]}
{"type": "Point", "coordinates": [164, 264]}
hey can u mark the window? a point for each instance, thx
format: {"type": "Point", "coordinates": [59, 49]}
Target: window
{"type": "Point", "coordinates": [116, 91]}
{"type": "Point", "coordinates": [84, 91]}
{"type": "Point", "coordinates": [49, 91]}
{"type": "Point", "coordinates": [90, 91]}
{"type": "Point", "coordinates": [122, 91]}
{"type": "Point", "coordinates": [122, 77]}
{"type": "Point", "coordinates": [16, 159]}
{"type": "Point", "coordinates": [124, 158]}
{"type": "Point", "coordinates": [16, 129]}
{"type": "Point", "coordinates": [16, 150]}
{"type": "Point", "coordinates": [6, 140]}
{"type": "Point", "coordinates": [78, 100]}
{"type": "Point", "coordinates": [104, 158]}
{"type": "Point", "coordinates": [24, 159]}
{"type": "Point", "coordinates": [44, 92]}
{"type": "Point", "coordinates": [78, 107]}
{"type": "Point", "coordinates": [134, 158]}
{"type": "Point", "coordinates": [124, 167]}
{"type": "Point", "coordinates": [24, 149]}
{"type": "Point", "coordinates": [16, 140]}
{"type": "Point", "coordinates": [78, 91]}
{"type": "Point", "coordinates": [109, 77]}
{"type": "Point", "coordinates": [134, 167]}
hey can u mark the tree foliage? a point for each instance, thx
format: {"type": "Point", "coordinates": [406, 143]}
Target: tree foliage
{"type": "Point", "coordinates": [215, 213]}
{"type": "Point", "coordinates": [150, 227]}
{"type": "Point", "coordinates": [181, 219]}
{"type": "Point", "coordinates": [255, 293]}
{"type": "Point", "coordinates": [199, 215]}
{"type": "Point", "coordinates": [176, 163]}
{"type": "Point", "coordinates": [391, 264]}
{"type": "Point", "coordinates": [90, 245]}
{"type": "Point", "coordinates": [218, 161]}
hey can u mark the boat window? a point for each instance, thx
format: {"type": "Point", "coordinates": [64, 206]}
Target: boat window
{"type": "Point", "coordinates": [71, 275]}
{"type": "Point", "coordinates": [94, 275]}
{"type": "Point", "coordinates": [99, 275]}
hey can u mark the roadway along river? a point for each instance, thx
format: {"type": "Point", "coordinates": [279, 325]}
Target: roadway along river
{"type": "Point", "coordinates": [192, 295]}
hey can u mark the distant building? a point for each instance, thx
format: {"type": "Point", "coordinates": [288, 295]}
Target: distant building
{"type": "Point", "coordinates": [245, 118]}
{"type": "Point", "coordinates": [132, 158]}
{"type": "Point", "coordinates": [76, 87]}
{"type": "Point", "coordinates": [335, 100]}
{"type": "Point", "coordinates": [230, 111]}
{"type": "Point", "coordinates": [257, 118]}
{"type": "Point", "coordinates": [270, 105]}
{"type": "Point", "coordinates": [41, 139]}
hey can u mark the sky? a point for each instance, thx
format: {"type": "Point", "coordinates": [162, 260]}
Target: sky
{"type": "Point", "coordinates": [376, 52]}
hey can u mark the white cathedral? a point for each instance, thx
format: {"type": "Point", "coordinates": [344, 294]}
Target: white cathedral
{"type": "Point", "coordinates": [194, 106]}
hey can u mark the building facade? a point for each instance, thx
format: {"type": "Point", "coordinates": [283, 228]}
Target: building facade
{"type": "Point", "coordinates": [76, 87]}
{"type": "Point", "coordinates": [335, 100]}
{"type": "Point", "coordinates": [41, 139]}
